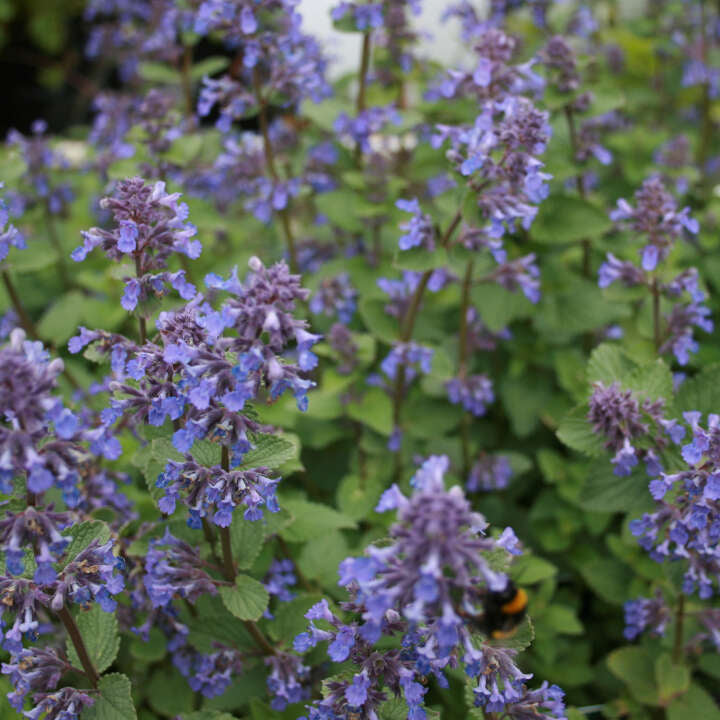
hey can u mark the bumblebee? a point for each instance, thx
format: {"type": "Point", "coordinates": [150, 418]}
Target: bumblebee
{"type": "Point", "coordinates": [504, 611]}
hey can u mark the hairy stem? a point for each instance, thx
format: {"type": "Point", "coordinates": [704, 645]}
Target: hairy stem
{"type": "Point", "coordinates": [272, 169]}
{"type": "Point", "coordinates": [185, 68]}
{"type": "Point", "coordinates": [25, 321]}
{"type": "Point", "coordinates": [452, 227]}
{"type": "Point", "coordinates": [580, 183]}
{"type": "Point", "coordinates": [406, 333]}
{"type": "Point", "coordinates": [363, 73]}
{"type": "Point", "coordinates": [227, 556]}
{"type": "Point", "coordinates": [231, 573]}
{"type": "Point", "coordinates": [362, 86]}
{"type": "Point", "coordinates": [55, 242]}
{"type": "Point", "coordinates": [678, 640]}
{"type": "Point", "coordinates": [463, 362]}
{"type": "Point", "coordinates": [74, 633]}
{"type": "Point", "coordinates": [657, 322]}
{"type": "Point", "coordinates": [142, 322]}
{"type": "Point", "coordinates": [706, 125]}
{"type": "Point", "coordinates": [260, 640]}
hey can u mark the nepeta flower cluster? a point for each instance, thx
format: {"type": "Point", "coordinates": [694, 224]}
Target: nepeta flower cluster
{"type": "Point", "coordinates": [151, 225]}
{"type": "Point", "coordinates": [489, 472]}
{"type": "Point", "coordinates": [628, 425]}
{"type": "Point", "coordinates": [10, 236]}
{"type": "Point", "coordinates": [686, 524]}
{"type": "Point", "coordinates": [335, 296]}
{"type": "Point", "coordinates": [274, 59]}
{"type": "Point", "coordinates": [39, 187]}
{"type": "Point", "coordinates": [656, 217]}
{"type": "Point", "coordinates": [422, 587]}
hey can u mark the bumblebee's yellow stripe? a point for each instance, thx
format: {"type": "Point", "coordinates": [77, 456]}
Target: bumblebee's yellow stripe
{"type": "Point", "coordinates": [502, 634]}
{"type": "Point", "coordinates": [517, 604]}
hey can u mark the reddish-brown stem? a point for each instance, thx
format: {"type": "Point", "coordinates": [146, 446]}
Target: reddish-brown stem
{"type": "Point", "coordinates": [362, 75]}
{"type": "Point", "coordinates": [678, 641]}
{"type": "Point", "coordinates": [225, 543]}
{"type": "Point", "coordinates": [406, 333]}
{"type": "Point", "coordinates": [142, 322]}
{"type": "Point", "coordinates": [55, 242]}
{"type": "Point", "coordinates": [463, 363]}
{"type": "Point", "coordinates": [272, 169]}
{"type": "Point", "coordinates": [25, 321]}
{"type": "Point", "coordinates": [259, 638]}
{"type": "Point", "coordinates": [580, 183]}
{"type": "Point", "coordinates": [657, 329]}
{"type": "Point", "coordinates": [445, 240]}
{"type": "Point", "coordinates": [76, 638]}
{"type": "Point", "coordinates": [229, 568]}
{"type": "Point", "coordinates": [187, 58]}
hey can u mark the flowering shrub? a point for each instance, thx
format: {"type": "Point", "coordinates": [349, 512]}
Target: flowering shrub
{"type": "Point", "coordinates": [392, 395]}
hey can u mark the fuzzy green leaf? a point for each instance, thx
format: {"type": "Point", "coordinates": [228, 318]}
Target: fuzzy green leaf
{"type": "Point", "coordinates": [246, 538]}
{"type": "Point", "coordinates": [270, 451]}
{"type": "Point", "coordinates": [247, 600]}
{"type": "Point", "coordinates": [312, 520]}
{"type": "Point", "coordinates": [576, 432]}
{"type": "Point", "coordinates": [634, 666]}
{"type": "Point", "coordinates": [82, 535]}
{"type": "Point", "coordinates": [115, 700]}
{"type": "Point", "coordinates": [99, 631]}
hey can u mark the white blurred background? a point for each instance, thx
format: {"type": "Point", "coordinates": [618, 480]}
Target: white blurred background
{"type": "Point", "coordinates": [441, 40]}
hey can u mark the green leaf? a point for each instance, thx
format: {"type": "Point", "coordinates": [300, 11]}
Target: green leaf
{"type": "Point", "coordinates": [634, 666]}
{"type": "Point", "coordinates": [290, 617]}
{"type": "Point", "coordinates": [115, 700]}
{"type": "Point", "coordinates": [82, 535]}
{"type": "Point", "coordinates": [246, 539]}
{"type": "Point", "coordinates": [312, 520]}
{"type": "Point", "coordinates": [530, 569]}
{"type": "Point", "coordinates": [420, 260]}
{"type": "Point", "coordinates": [357, 497]}
{"type": "Point", "coordinates": [342, 208]}
{"type": "Point", "coordinates": [377, 321]}
{"type": "Point", "coordinates": [61, 319]}
{"type": "Point", "coordinates": [159, 73]}
{"type": "Point", "coordinates": [270, 451]}
{"type": "Point", "coordinates": [319, 558]}
{"type": "Point", "coordinates": [576, 432]}
{"type": "Point", "coordinates": [653, 380]}
{"type": "Point", "coordinates": [672, 679]}
{"type": "Point", "coordinates": [152, 650]}
{"type": "Point", "coordinates": [696, 703]}
{"type": "Point", "coordinates": [709, 663]}
{"type": "Point", "coordinates": [213, 623]}
{"type": "Point", "coordinates": [99, 631]}
{"type": "Point", "coordinates": [323, 114]}
{"type": "Point", "coordinates": [207, 715]}
{"type": "Point", "coordinates": [564, 219]}
{"type": "Point", "coordinates": [609, 579]}
{"type": "Point", "coordinates": [206, 453]}
{"type": "Point", "coordinates": [168, 692]}
{"type": "Point", "coordinates": [209, 66]}
{"type": "Point", "coordinates": [603, 491]}
{"type": "Point", "coordinates": [563, 620]}
{"type": "Point", "coordinates": [247, 600]}
{"type": "Point", "coordinates": [498, 307]}
{"type": "Point", "coordinates": [701, 393]}
{"type": "Point", "coordinates": [609, 363]}
{"type": "Point", "coordinates": [374, 409]}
